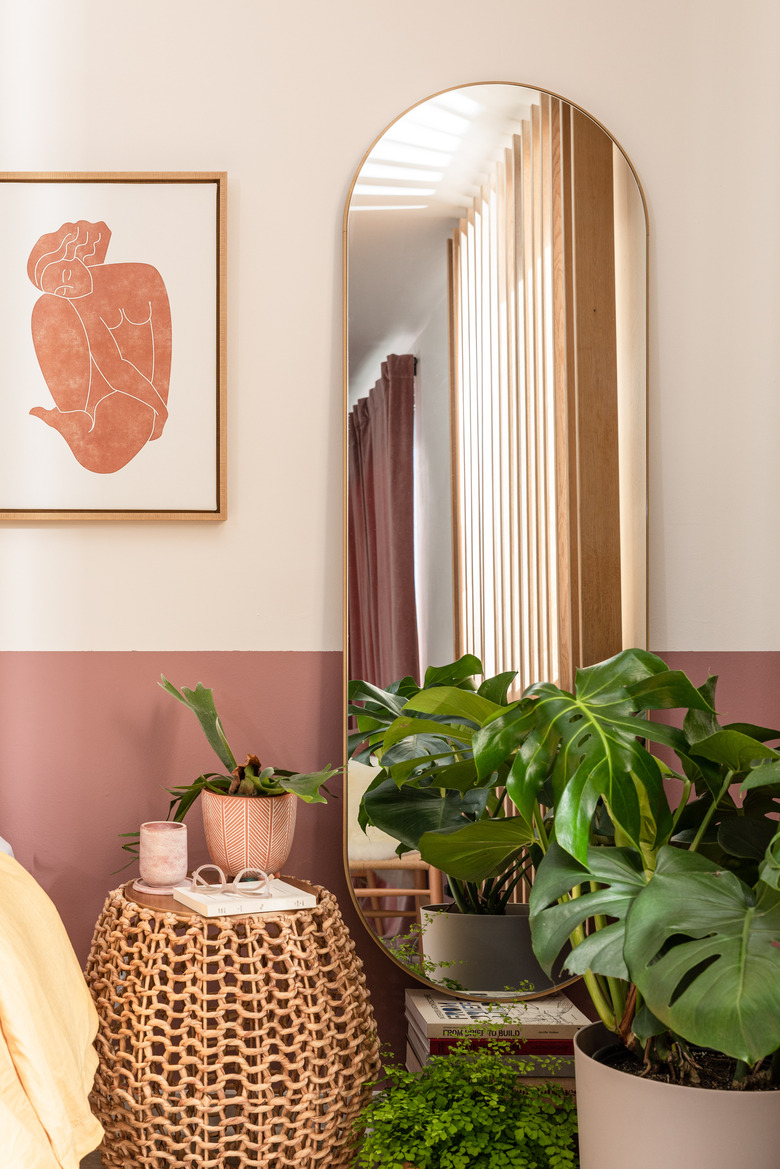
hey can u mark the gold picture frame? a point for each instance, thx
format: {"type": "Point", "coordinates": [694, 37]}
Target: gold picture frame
{"type": "Point", "coordinates": [114, 354]}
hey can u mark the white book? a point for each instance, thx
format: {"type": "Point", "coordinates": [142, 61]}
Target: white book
{"type": "Point", "coordinates": [220, 903]}
{"type": "Point", "coordinates": [554, 1015]}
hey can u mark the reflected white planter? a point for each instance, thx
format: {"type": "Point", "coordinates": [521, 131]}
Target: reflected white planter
{"type": "Point", "coordinates": [483, 953]}
{"type": "Point", "coordinates": [627, 1121]}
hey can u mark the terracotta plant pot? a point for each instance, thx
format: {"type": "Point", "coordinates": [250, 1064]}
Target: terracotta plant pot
{"type": "Point", "coordinates": [249, 831]}
{"type": "Point", "coordinates": [480, 951]}
{"type": "Point", "coordinates": [625, 1120]}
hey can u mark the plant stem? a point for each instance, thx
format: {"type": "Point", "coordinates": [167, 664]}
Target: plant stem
{"type": "Point", "coordinates": [599, 999]}
{"type": "Point", "coordinates": [544, 841]}
{"type": "Point", "coordinates": [597, 990]}
{"type": "Point", "coordinates": [616, 988]}
{"type": "Point", "coordinates": [681, 806]}
{"type": "Point", "coordinates": [711, 812]}
{"type": "Point", "coordinates": [457, 888]}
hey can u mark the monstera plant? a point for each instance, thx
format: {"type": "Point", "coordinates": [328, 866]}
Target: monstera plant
{"type": "Point", "coordinates": [672, 916]}
{"type": "Point", "coordinates": [658, 870]}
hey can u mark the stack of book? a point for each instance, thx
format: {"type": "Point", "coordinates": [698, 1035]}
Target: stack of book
{"type": "Point", "coordinates": [540, 1031]}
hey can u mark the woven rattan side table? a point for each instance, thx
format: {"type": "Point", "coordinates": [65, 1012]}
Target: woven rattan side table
{"type": "Point", "coordinates": [228, 1042]}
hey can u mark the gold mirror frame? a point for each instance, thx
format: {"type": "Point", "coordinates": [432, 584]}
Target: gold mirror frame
{"type": "Point", "coordinates": [588, 641]}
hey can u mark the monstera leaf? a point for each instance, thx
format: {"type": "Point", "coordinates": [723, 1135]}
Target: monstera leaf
{"type": "Point", "coordinates": [587, 744]}
{"type": "Point", "coordinates": [406, 813]}
{"type": "Point", "coordinates": [477, 851]}
{"type": "Point", "coordinates": [704, 951]}
{"type": "Point", "coordinates": [609, 884]}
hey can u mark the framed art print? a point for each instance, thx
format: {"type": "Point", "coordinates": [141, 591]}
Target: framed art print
{"type": "Point", "coordinates": [113, 356]}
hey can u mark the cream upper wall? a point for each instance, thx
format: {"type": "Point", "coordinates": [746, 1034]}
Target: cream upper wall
{"type": "Point", "coordinates": [286, 97]}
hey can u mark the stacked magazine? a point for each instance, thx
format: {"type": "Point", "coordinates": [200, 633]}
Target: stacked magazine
{"type": "Point", "coordinates": [541, 1030]}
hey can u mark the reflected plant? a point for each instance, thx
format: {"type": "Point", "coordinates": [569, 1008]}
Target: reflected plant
{"type": "Point", "coordinates": [435, 793]}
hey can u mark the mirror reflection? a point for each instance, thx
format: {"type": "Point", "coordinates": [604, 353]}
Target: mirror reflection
{"type": "Point", "coordinates": [496, 306]}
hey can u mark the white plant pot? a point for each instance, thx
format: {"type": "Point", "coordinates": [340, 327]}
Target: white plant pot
{"type": "Point", "coordinates": [625, 1120]}
{"type": "Point", "coordinates": [482, 952]}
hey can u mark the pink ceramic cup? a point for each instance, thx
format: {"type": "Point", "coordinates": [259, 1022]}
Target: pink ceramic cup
{"type": "Point", "coordinates": [162, 853]}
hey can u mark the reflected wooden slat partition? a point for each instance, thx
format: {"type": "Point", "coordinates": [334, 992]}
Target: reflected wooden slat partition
{"type": "Point", "coordinates": [535, 407]}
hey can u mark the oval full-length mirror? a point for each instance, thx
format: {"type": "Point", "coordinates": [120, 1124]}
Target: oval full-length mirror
{"type": "Point", "coordinates": [495, 386]}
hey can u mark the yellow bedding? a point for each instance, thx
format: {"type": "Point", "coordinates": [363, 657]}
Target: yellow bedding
{"type": "Point", "coordinates": [47, 1027]}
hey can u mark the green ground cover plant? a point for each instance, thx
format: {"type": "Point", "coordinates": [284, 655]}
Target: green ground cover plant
{"type": "Point", "coordinates": [468, 1110]}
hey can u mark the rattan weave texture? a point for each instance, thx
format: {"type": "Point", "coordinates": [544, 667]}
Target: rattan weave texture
{"type": "Point", "coordinates": [228, 1042]}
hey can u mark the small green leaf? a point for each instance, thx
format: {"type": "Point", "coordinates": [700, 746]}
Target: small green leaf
{"type": "Point", "coordinates": [408, 812]}
{"type": "Point", "coordinates": [496, 689]}
{"type": "Point", "coordinates": [765, 775]}
{"type": "Point", "coordinates": [668, 689]}
{"type": "Point", "coordinates": [733, 750]}
{"type": "Point", "coordinates": [745, 837]}
{"type": "Point", "coordinates": [307, 785]}
{"type": "Point", "coordinates": [454, 673]}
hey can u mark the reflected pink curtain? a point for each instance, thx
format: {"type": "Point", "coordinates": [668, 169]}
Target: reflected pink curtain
{"type": "Point", "coordinates": [382, 606]}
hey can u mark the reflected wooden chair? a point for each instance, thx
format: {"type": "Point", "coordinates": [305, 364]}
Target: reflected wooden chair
{"type": "Point", "coordinates": [427, 887]}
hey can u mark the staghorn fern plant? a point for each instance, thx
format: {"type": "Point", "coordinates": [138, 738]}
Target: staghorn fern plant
{"type": "Point", "coordinates": [248, 779]}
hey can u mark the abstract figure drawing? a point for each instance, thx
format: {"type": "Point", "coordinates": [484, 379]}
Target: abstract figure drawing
{"type": "Point", "coordinates": [102, 336]}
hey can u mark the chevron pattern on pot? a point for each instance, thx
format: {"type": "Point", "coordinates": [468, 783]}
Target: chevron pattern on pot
{"type": "Point", "coordinates": [249, 831]}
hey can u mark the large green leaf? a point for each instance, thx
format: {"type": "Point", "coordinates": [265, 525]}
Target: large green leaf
{"type": "Point", "coordinates": [704, 951]}
{"type": "Point", "coordinates": [452, 702]}
{"type": "Point", "coordinates": [497, 740]}
{"type": "Point", "coordinates": [607, 884]}
{"type": "Point", "coordinates": [408, 812]}
{"type": "Point", "coordinates": [477, 851]}
{"type": "Point", "coordinates": [595, 759]}
{"type": "Point", "coordinates": [461, 775]}
{"type": "Point", "coordinates": [201, 702]}
{"type": "Point", "coordinates": [408, 727]}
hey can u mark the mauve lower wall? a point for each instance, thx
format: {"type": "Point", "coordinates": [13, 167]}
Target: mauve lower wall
{"type": "Point", "coordinates": [91, 742]}
{"type": "Point", "coordinates": [748, 683]}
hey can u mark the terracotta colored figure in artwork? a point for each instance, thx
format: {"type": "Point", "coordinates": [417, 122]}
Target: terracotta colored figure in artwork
{"type": "Point", "coordinates": [102, 335]}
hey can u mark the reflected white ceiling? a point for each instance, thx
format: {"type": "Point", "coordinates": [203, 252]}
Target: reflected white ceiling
{"type": "Point", "coordinates": [419, 178]}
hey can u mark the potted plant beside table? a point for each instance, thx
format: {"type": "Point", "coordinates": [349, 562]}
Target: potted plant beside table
{"type": "Point", "coordinates": [249, 811]}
